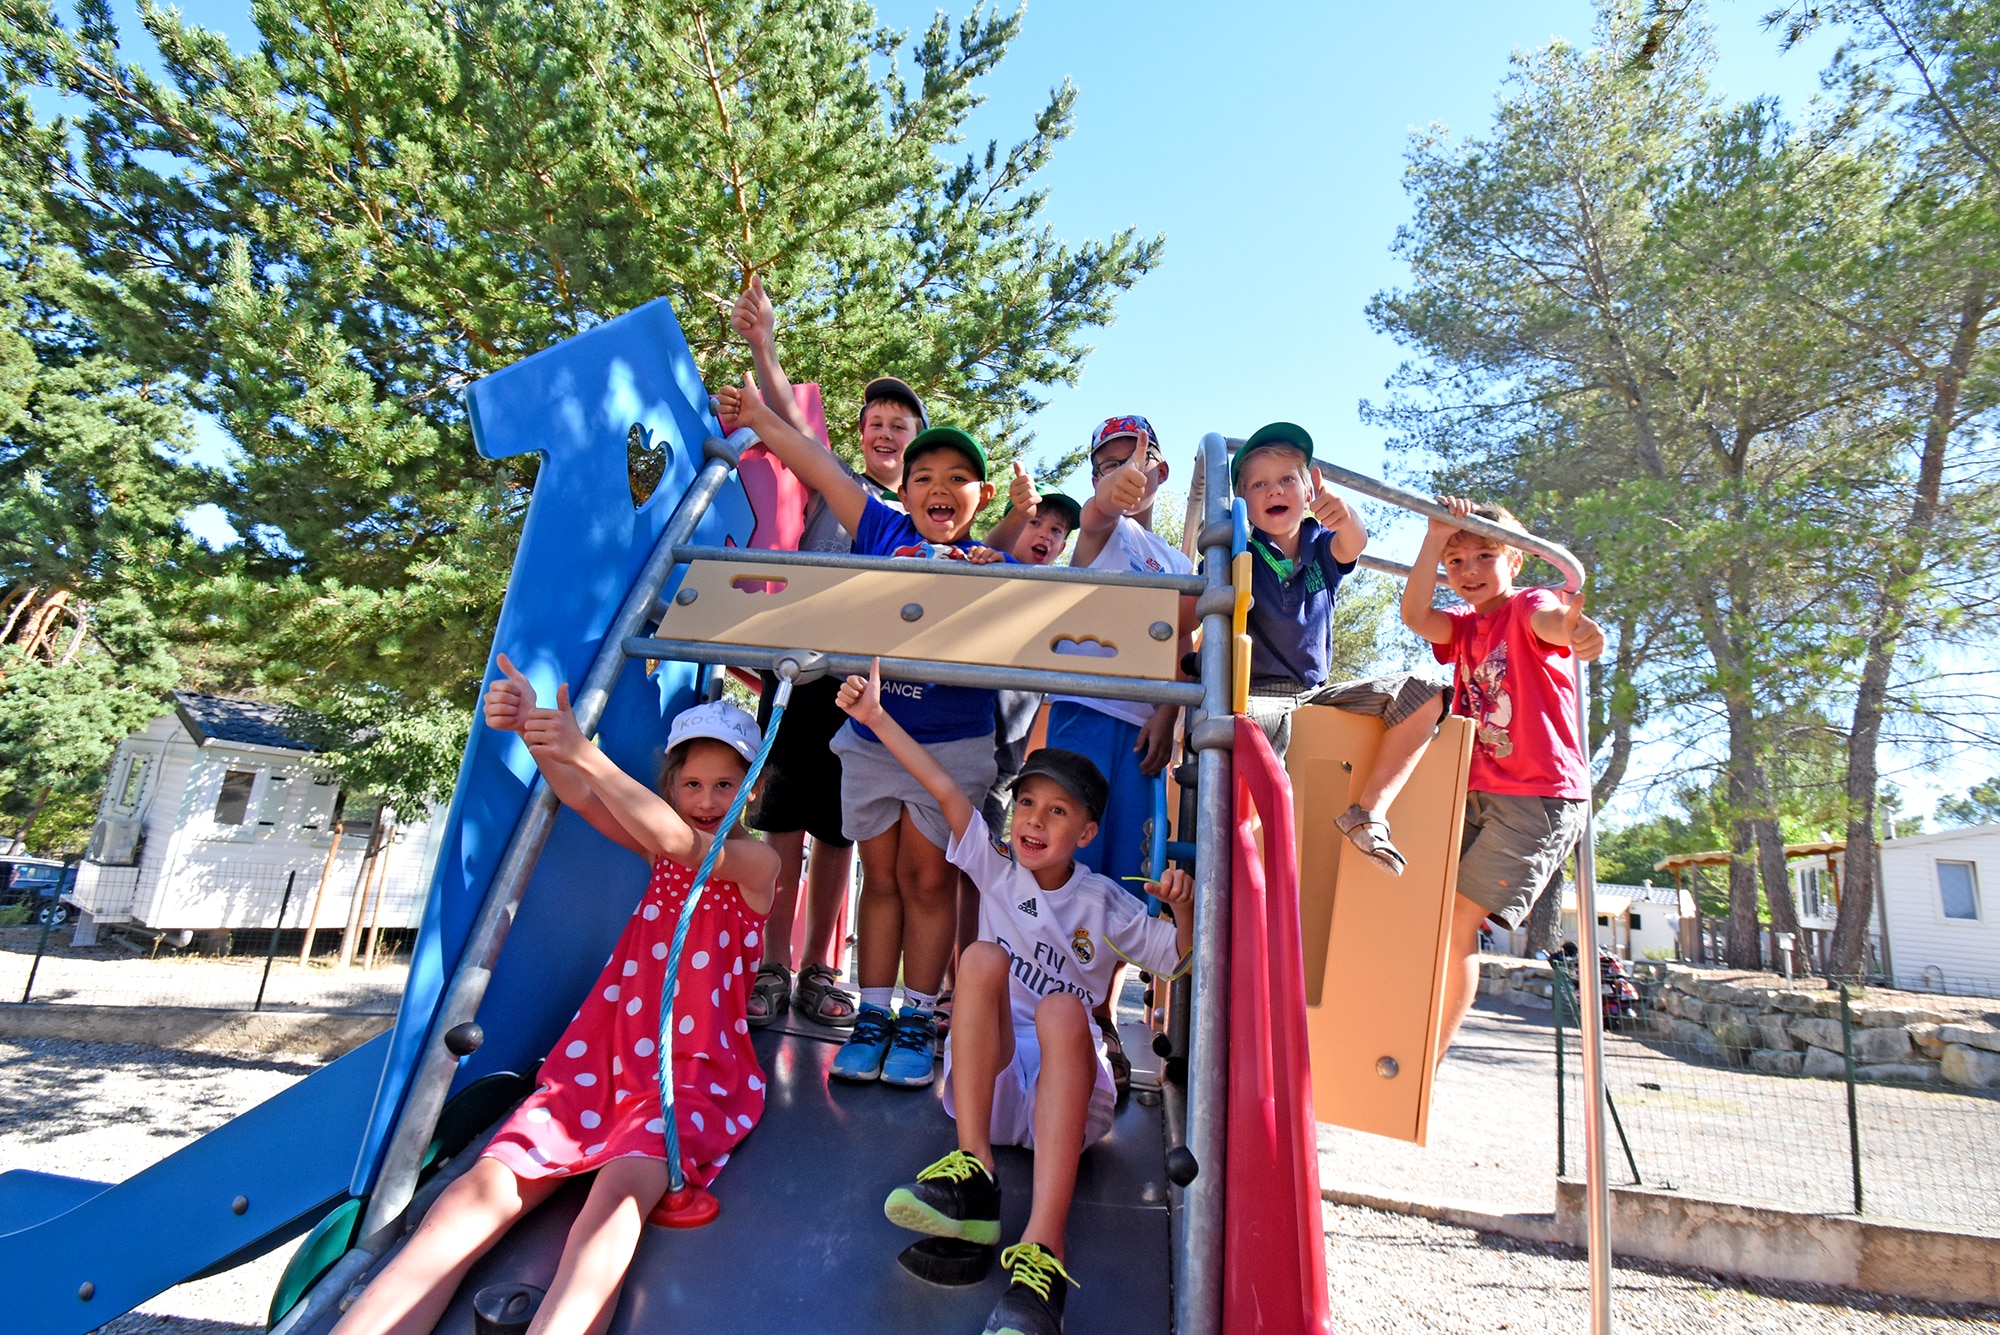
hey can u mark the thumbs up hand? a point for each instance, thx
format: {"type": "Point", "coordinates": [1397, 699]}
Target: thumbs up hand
{"type": "Point", "coordinates": [1021, 493]}
{"type": "Point", "coordinates": [1586, 637]}
{"type": "Point", "coordinates": [1327, 507]}
{"type": "Point", "coordinates": [1124, 488]}
{"type": "Point", "coordinates": [554, 732]}
{"type": "Point", "coordinates": [509, 700]}
{"type": "Point", "coordinates": [741, 405]}
{"type": "Point", "coordinates": [752, 317]}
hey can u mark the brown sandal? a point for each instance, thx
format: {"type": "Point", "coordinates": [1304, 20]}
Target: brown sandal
{"type": "Point", "coordinates": [820, 999]}
{"type": "Point", "coordinates": [770, 995]}
{"type": "Point", "coordinates": [1371, 836]}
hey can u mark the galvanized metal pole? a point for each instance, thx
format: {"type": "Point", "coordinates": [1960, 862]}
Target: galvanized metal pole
{"type": "Point", "coordinates": [1590, 1004]}
{"type": "Point", "coordinates": [1198, 1277]}
{"type": "Point", "coordinates": [396, 1181]}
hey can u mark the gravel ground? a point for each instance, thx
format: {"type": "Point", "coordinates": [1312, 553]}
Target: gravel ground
{"type": "Point", "coordinates": [1398, 1273]}
{"type": "Point", "coordinates": [107, 1110]}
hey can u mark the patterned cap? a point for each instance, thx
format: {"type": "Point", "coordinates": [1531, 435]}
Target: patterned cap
{"type": "Point", "coordinates": [718, 721]}
{"type": "Point", "coordinates": [1111, 428]}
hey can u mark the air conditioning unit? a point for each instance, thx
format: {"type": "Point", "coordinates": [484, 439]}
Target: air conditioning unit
{"type": "Point", "coordinates": [116, 843]}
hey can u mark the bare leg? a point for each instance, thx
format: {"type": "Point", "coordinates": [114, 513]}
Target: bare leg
{"type": "Point", "coordinates": [1402, 747]}
{"type": "Point", "coordinates": [584, 1294]}
{"type": "Point", "coordinates": [982, 1043]}
{"type": "Point", "coordinates": [411, 1293]}
{"type": "Point", "coordinates": [878, 943]}
{"type": "Point", "coordinates": [929, 887]}
{"type": "Point", "coordinates": [1461, 968]}
{"type": "Point", "coordinates": [826, 889]}
{"type": "Point", "coordinates": [1107, 1009]}
{"type": "Point", "coordinates": [791, 848]}
{"type": "Point", "coordinates": [1062, 1107]}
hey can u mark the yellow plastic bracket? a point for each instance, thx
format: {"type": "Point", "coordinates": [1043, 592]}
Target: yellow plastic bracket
{"type": "Point", "coordinates": [1239, 684]}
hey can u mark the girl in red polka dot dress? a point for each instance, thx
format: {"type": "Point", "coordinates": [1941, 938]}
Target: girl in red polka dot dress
{"type": "Point", "coordinates": [597, 1108]}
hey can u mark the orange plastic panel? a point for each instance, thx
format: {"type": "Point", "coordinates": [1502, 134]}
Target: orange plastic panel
{"type": "Point", "coordinates": [1374, 944]}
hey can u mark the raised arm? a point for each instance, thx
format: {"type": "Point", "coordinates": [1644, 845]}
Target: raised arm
{"type": "Point", "coordinates": [861, 697]}
{"type": "Point", "coordinates": [812, 462]}
{"type": "Point", "coordinates": [756, 323]}
{"type": "Point", "coordinates": [656, 829]}
{"type": "Point", "coordinates": [1420, 587]}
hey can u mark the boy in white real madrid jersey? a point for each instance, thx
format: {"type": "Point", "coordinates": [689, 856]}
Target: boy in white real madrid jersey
{"type": "Point", "coordinates": [1025, 1065]}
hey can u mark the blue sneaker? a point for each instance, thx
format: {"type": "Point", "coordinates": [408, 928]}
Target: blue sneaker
{"type": "Point", "coordinates": [912, 1059]}
{"type": "Point", "coordinates": [860, 1058]}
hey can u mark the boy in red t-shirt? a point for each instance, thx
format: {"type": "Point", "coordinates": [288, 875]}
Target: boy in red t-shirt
{"type": "Point", "coordinates": [1513, 654]}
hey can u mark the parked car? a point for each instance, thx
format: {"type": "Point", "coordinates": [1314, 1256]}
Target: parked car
{"type": "Point", "coordinates": [40, 883]}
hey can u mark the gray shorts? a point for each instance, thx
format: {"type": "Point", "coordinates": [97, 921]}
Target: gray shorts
{"type": "Point", "coordinates": [875, 788]}
{"type": "Point", "coordinates": [1392, 699]}
{"type": "Point", "coordinates": [1513, 848]}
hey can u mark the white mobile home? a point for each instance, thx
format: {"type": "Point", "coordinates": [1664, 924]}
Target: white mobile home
{"type": "Point", "coordinates": [210, 809]}
{"type": "Point", "coordinates": [1941, 910]}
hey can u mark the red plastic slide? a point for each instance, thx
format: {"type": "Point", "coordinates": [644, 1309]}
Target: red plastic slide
{"type": "Point", "coordinates": [1274, 1250]}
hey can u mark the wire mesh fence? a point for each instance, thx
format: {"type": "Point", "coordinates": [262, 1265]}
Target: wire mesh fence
{"type": "Point", "coordinates": [279, 950]}
{"type": "Point", "coordinates": [1837, 1100]}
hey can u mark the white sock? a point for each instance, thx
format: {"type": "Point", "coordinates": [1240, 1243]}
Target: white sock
{"type": "Point", "coordinates": [881, 997]}
{"type": "Point", "coordinates": [923, 1002]}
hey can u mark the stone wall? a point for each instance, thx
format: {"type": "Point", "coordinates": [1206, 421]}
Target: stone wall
{"type": "Point", "coordinates": [1756, 1021]}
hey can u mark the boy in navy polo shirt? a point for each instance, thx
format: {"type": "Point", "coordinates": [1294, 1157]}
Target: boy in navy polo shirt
{"type": "Point", "coordinates": [909, 892]}
{"type": "Point", "coordinates": [1304, 540]}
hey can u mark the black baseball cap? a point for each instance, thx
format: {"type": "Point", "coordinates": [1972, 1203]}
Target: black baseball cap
{"type": "Point", "coordinates": [1078, 775]}
{"type": "Point", "coordinates": [889, 387]}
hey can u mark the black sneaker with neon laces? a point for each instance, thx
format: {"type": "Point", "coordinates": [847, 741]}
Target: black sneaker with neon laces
{"type": "Point", "coordinates": [954, 1198]}
{"type": "Point", "coordinates": [1033, 1303]}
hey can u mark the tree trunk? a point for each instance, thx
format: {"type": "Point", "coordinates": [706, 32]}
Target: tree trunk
{"type": "Point", "coordinates": [1777, 884]}
{"type": "Point", "coordinates": [1544, 925]}
{"type": "Point", "coordinates": [1745, 947]}
{"type": "Point", "coordinates": [34, 814]}
{"type": "Point", "coordinates": [1857, 898]}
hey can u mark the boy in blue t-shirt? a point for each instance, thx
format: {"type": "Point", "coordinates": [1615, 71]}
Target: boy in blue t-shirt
{"type": "Point", "coordinates": [909, 892]}
{"type": "Point", "coordinates": [1304, 540]}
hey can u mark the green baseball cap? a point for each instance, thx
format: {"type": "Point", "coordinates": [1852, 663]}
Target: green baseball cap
{"type": "Point", "coordinates": [950, 438]}
{"type": "Point", "coordinates": [1071, 512]}
{"type": "Point", "coordinates": [1277, 433]}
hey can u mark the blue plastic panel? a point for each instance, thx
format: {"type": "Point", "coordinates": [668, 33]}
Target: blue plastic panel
{"type": "Point", "coordinates": [581, 547]}
{"type": "Point", "coordinates": [289, 1157]}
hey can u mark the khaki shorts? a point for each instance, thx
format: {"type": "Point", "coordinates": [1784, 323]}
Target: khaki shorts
{"type": "Point", "coordinates": [875, 789]}
{"type": "Point", "coordinates": [1513, 849]}
{"type": "Point", "coordinates": [1392, 699]}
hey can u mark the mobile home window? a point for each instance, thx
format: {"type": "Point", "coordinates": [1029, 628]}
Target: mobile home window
{"type": "Point", "coordinates": [135, 781]}
{"type": "Point", "coordinates": [1958, 890]}
{"type": "Point", "coordinates": [232, 804]}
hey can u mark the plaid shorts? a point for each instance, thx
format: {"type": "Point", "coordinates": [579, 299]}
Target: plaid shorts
{"type": "Point", "coordinates": [1392, 699]}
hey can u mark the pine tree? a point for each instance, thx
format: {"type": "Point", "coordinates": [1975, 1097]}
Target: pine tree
{"type": "Point", "coordinates": [332, 237]}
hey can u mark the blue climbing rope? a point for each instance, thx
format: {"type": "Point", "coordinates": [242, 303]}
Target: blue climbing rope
{"type": "Point", "coordinates": [676, 1176]}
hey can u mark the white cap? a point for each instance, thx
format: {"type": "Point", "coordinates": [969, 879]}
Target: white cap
{"type": "Point", "coordinates": [719, 721]}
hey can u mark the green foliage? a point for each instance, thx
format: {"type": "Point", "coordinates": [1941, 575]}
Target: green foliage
{"type": "Point", "coordinates": [1980, 805]}
{"type": "Point", "coordinates": [332, 237]}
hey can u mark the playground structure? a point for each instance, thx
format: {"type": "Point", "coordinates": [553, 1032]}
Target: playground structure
{"type": "Point", "coordinates": [1198, 1213]}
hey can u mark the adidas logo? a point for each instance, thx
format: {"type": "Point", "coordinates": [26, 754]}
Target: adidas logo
{"type": "Point", "coordinates": [1027, 906]}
